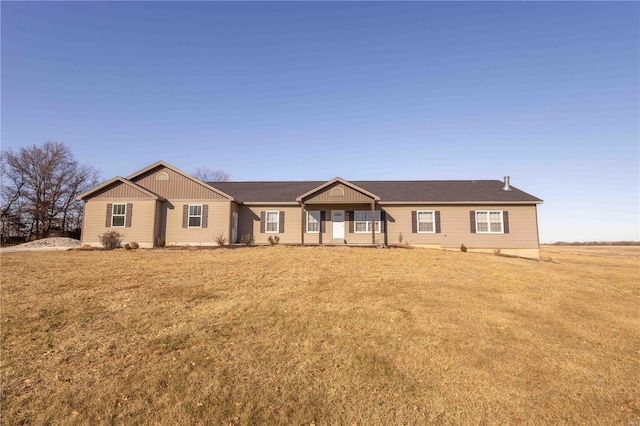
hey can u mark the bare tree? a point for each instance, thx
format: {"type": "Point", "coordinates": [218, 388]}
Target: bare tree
{"type": "Point", "coordinates": [205, 174]}
{"type": "Point", "coordinates": [39, 187]}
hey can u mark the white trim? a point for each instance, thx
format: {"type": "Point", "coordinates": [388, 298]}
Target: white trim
{"type": "Point", "coordinates": [433, 221]}
{"type": "Point", "coordinates": [488, 222]}
{"type": "Point", "coordinates": [123, 215]}
{"type": "Point", "coordinates": [189, 215]}
{"type": "Point", "coordinates": [367, 222]}
{"type": "Point", "coordinates": [267, 222]}
{"type": "Point", "coordinates": [312, 213]}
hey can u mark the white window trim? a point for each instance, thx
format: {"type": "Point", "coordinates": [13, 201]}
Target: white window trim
{"type": "Point", "coordinates": [123, 215]}
{"type": "Point", "coordinates": [367, 222]}
{"type": "Point", "coordinates": [266, 222]}
{"type": "Point", "coordinates": [189, 215]}
{"type": "Point", "coordinates": [313, 214]}
{"type": "Point", "coordinates": [433, 216]}
{"type": "Point", "coordinates": [489, 231]}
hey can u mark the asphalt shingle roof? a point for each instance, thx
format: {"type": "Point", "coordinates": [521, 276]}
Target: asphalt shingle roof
{"type": "Point", "coordinates": [388, 191]}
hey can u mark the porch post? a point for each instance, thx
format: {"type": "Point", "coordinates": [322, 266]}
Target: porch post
{"type": "Point", "coordinates": [373, 222]}
{"type": "Point", "coordinates": [302, 222]}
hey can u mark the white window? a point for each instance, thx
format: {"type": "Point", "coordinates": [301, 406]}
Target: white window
{"type": "Point", "coordinates": [489, 222]}
{"type": "Point", "coordinates": [272, 222]}
{"type": "Point", "coordinates": [313, 222]}
{"type": "Point", "coordinates": [118, 215]}
{"type": "Point", "coordinates": [362, 222]}
{"type": "Point", "coordinates": [426, 221]}
{"type": "Point", "coordinates": [195, 215]}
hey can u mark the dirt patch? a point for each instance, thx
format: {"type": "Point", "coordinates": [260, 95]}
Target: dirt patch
{"type": "Point", "coordinates": [54, 243]}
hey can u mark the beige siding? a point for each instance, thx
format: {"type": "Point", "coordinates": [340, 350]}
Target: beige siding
{"type": "Point", "coordinates": [219, 219]}
{"type": "Point", "coordinates": [142, 222]}
{"type": "Point", "coordinates": [350, 196]}
{"type": "Point", "coordinates": [455, 227]}
{"type": "Point", "coordinates": [177, 187]}
{"type": "Point", "coordinates": [120, 190]}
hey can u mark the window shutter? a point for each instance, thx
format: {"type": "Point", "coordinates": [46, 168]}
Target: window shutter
{"type": "Point", "coordinates": [205, 215]}
{"type": "Point", "coordinates": [281, 225]}
{"type": "Point", "coordinates": [107, 223]}
{"type": "Point", "coordinates": [351, 219]}
{"type": "Point", "coordinates": [185, 215]}
{"type": "Point", "coordinates": [472, 221]}
{"type": "Point", "coordinates": [263, 218]}
{"type": "Point", "coordinates": [127, 220]}
{"type": "Point", "coordinates": [383, 220]}
{"type": "Point", "coordinates": [323, 221]}
{"type": "Point", "coordinates": [414, 222]}
{"type": "Point", "coordinates": [505, 221]}
{"type": "Point", "coordinates": [437, 213]}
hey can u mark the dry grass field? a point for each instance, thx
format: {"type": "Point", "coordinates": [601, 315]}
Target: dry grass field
{"type": "Point", "coordinates": [319, 335]}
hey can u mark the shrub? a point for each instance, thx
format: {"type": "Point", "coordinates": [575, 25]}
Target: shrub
{"type": "Point", "coordinates": [220, 239]}
{"type": "Point", "coordinates": [400, 238]}
{"type": "Point", "coordinates": [111, 239]}
{"type": "Point", "coordinates": [135, 245]}
{"type": "Point", "coordinates": [463, 248]}
{"type": "Point", "coordinates": [127, 246]}
{"type": "Point", "coordinates": [247, 239]}
{"type": "Point", "coordinates": [497, 252]}
{"type": "Point", "coordinates": [274, 239]}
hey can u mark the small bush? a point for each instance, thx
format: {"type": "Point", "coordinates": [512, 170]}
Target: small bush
{"type": "Point", "coordinates": [110, 239]}
{"type": "Point", "coordinates": [220, 239]}
{"type": "Point", "coordinates": [400, 238]}
{"type": "Point", "coordinates": [135, 245]}
{"type": "Point", "coordinates": [247, 239]}
{"type": "Point", "coordinates": [127, 246]}
{"type": "Point", "coordinates": [497, 252]}
{"type": "Point", "coordinates": [463, 248]}
{"type": "Point", "coordinates": [274, 239]}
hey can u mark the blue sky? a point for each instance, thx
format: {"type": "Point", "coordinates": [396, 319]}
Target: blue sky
{"type": "Point", "coordinates": [546, 92]}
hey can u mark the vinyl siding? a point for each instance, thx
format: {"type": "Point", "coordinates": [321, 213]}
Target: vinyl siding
{"type": "Point", "coordinates": [455, 227]}
{"type": "Point", "coordinates": [142, 221]}
{"type": "Point", "coordinates": [177, 187]}
{"type": "Point", "coordinates": [120, 190]}
{"type": "Point", "coordinates": [219, 219]}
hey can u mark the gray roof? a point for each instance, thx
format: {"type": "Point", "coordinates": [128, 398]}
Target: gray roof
{"type": "Point", "coordinates": [446, 191]}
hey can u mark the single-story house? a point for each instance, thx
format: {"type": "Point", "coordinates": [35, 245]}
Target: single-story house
{"type": "Point", "coordinates": [161, 205]}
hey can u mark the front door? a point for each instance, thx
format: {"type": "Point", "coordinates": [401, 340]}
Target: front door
{"type": "Point", "coordinates": [337, 223]}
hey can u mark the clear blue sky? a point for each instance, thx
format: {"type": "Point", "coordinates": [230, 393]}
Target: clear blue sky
{"type": "Point", "coordinates": [545, 92]}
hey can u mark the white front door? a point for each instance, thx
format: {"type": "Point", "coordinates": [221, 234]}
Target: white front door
{"type": "Point", "coordinates": [234, 228]}
{"type": "Point", "coordinates": [337, 223]}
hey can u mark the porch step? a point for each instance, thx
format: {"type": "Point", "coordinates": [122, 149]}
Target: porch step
{"type": "Point", "coordinates": [338, 241]}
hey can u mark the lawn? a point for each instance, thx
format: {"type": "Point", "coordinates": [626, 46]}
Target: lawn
{"type": "Point", "coordinates": [319, 335]}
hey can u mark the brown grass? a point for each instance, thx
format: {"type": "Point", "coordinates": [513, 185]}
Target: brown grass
{"type": "Point", "coordinates": [293, 335]}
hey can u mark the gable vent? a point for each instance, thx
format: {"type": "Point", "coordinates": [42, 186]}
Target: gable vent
{"type": "Point", "coordinates": [162, 176]}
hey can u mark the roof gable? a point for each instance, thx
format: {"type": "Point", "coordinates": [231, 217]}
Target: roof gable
{"type": "Point", "coordinates": [131, 190]}
{"type": "Point", "coordinates": [337, 190]}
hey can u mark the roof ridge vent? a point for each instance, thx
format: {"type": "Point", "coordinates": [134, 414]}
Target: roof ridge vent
{"type": "Point", "coordinates": [507, 186]}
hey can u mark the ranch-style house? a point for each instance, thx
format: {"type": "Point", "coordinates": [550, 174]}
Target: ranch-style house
{"type": "Point", "coordinates": [161, 205]}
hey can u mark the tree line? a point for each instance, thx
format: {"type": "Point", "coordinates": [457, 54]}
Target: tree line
{"type": "Point", "coordinates": [39, 189]}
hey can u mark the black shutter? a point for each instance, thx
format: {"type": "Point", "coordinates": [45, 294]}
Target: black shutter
{"type": "Point", "coordinates": [437, 213]}
{"type": "Point", "coordinates": [127, 220]}
{"type": "Point", "coordinates": [205, 215]}
{"type": "Point", "coordinates": [351, 217]}
{"type": "Point", "coordinates": [185, 215]}
{"type": "Point", "coordinates": [323, 221]}
{"type": "Point", "coordinates": [505, 221]}
{"type": "Point", "coordinates": [107, 223]}
{"type": "Point", "coordinates": [414, 222]}
{"type": "Point", "coordinates": [263, 218]}
{"type": "Point", "coordinates": [383, 220]}
{"type": "Point", "coordinates": [472, 221]}
{"type": "Point", "coordinates": [281, 225]}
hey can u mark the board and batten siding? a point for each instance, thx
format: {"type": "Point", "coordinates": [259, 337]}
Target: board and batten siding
{"type": "Point", "coordinates": [456, 228]}
{"type": "Point", "coordinates": [119, 190]}
{"type": "Point", "coordinates": [175, 186]}
{"type": "Point", "coordinates": [142, 226]}
{"type": "Point", "coordinates": [218, 222]}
